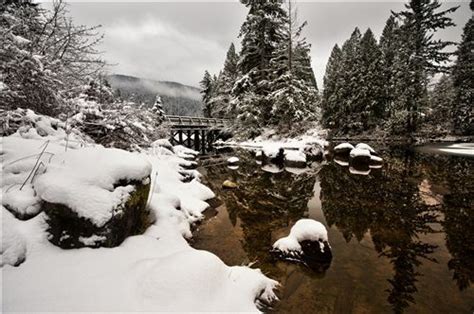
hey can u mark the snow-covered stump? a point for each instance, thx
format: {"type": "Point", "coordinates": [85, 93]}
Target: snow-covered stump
{"type": "Point", "coordinates": [307, 243]}
{"type": "Point", "coordinates": [67, 230]}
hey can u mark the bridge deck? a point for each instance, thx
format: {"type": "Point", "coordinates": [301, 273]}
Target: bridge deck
{"type": "Point", "coordinates": [195, 122]}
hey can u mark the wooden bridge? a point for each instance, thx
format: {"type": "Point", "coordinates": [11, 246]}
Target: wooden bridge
{"type": "Point", "coordinates": [198, 133]}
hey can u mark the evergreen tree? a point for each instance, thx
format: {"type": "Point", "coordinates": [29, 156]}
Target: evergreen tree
{"type": "Point", "coordinates": [223, 86]}
{"type": "Point", "coordinates": [388, 46]}
{"type": "Point", "coordinates": [158, 110]}
{"type": "Point", "coordinates": [463, 113]}
{"type": "Point", "coordinates": [371, 107]}
{"type": "Point", "coordinates": [441, 103]}
{"type": "Point", "coordinates": [420, 55]}
{"type": "Point", "coordinates": [330, 102]}
{"type": "Point", "coordinates": [206, 91]}
{"type": "Point", "coordinates": [262, 33]}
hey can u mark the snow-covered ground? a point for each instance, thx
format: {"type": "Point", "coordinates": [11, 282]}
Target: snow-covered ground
{"type": "Point", "coordinates": [155, 271]}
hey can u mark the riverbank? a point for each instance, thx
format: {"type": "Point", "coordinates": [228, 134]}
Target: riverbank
{"type": "Point", "coordinates": [152, 270]}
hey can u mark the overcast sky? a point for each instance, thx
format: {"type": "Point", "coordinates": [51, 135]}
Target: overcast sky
{"type": "Point", "coordinates": [178, 41]}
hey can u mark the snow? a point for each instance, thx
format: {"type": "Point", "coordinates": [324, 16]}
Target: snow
{"type": "Point", "coordinates": [84, 180]}
{"type": "Point", "coordinates": [366, 147]}
{"type": "Point", "coordinates": [359, 152]}
{"type": "Point", "coordinates": [303, 229]}
{"type": "Point", "coordinates": [344, 146]}
{"type": "Point", "coordinates": [272, 168]}
{"type": "Point", "coordinates": [154, 272]}
{"type": "Point", "coordinates": [375, 158]}
{"type": "Point", "coordinates": [295, 155]}
{"type": "Point", "coordinates": [466, 149]}
{"type": "Point", "coordinates": [233, 160]}
{"type": "Point", "coordinates": [271, 150]}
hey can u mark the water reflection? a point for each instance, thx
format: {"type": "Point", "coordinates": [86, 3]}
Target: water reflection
{"type": "Point", "coordinates": [399, 234]}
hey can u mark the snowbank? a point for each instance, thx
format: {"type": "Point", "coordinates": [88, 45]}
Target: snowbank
{"type": "Point", "coordinates": [303, 230]}
{"type": "Point", "coordinates": [155, 271]}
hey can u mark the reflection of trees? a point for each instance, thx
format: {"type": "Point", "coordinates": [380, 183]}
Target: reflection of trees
{"type": "Point", "coordinates": [458, 209]}
{"type": "Point", "coordinates": [388, 204]}
{"type": "Point", "coordinates": [264, 202]}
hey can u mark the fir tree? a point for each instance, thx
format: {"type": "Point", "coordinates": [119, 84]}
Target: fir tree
{"type": "Point", "coordinates": [206, 91]}
{"type": "Point", "coordinates": [262, 33]}
{"type": "Point", "coordinates": [441, 103]}
{"type": "Point", "coordinates": [371, 108]}
{"type": "Point", "coordinates": [420, 55]}
{"type": "Point", "coordinates": [463, 113]}
{"type": "Point", "coordinates": [388, 46]}
{"type": "Point", "coordinates": [158, 110]}
{"type": "Point", "coordinates": [330, 101]}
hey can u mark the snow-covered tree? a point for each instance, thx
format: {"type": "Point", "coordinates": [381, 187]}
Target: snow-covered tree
{"type": "Point", "coordinates": [330, 101]}
{"type": "Point", "coordinates": [419, 54]}
{"type": "Point", "coordinates": [463, 112]}
{"type": "Point", "coordinates": [206, 91]}
{"type": "Point", "coordinates": [158, 110]}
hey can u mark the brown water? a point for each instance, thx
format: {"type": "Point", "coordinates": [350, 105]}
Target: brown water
{"type": "Point", "coordinates": [402, 237]}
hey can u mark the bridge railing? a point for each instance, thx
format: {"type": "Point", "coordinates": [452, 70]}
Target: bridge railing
{"type": "Point", "coordinates": [195, 121]}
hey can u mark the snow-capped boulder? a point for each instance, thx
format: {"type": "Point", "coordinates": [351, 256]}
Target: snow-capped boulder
{"type": "Point", "coordinates": [313, 151]}
{"type": "Point", "coordinates": [343, 148]}
{"type": "Point", "coordinates": [95, 197]}
{"type": "Point", "coordinates": [295, 158]}
{"type": "Point", "coordinates": [360, 155]}
{"type": "Point", "coordinates": [273, 153]}
{"type": "Point", "coordinates": [307, 243]}
{"type": "Point", "coordinates": [233, 161]}
{"type": "Point", "coordinates": [366, 147]}
{"type": "Point", "coordinates": [185, 153]}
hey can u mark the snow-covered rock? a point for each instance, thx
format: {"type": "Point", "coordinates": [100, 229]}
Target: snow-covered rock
{"type": "Point", "coordinates": [343, 148]}
{"type": "Point", "coordinates": [295, 158]}
{"type": "Point", "coordinates": [185, 153]}
{"type": "Point", "coordinates": [366, 147]}
{"type": "Point", "coordinates": [233, 160]}
{"type": "Point", "coordinates": [165, 143]}
{"type": "Point", "coordinates": [306, 243]}
{"type": "Point", "coordinates": [360, 155]}
{"type": "Point", "coordinates": [314, 151]}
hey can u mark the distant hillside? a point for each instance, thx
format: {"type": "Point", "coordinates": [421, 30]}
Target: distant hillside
{"type": "Point", "coordinates": [178, 99]}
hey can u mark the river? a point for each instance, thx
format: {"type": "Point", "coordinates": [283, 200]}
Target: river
{"type": "Point", "coordinates": [402, 236]}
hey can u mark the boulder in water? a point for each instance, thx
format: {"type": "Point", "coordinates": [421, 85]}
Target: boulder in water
{"type": "Point", "coordinates": [227, 184]}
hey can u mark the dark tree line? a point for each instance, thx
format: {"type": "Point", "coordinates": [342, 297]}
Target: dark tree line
{"type": "Point", "coordinates": [385, 85]}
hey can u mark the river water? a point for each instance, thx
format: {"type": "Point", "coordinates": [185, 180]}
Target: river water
{"type": "Point", "coordinates": [402, 236]}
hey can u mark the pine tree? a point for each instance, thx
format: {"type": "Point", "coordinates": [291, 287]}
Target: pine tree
{"type": "Point", "coordinates": [463, 113]}
{"type": "Point", "coordinates": [441, 102]}
{"type": "Point", "coordinates": [158, 110]}
{"type": "Point", "coordinates": [371, 108]}
{"type": "Point", "coordinates": [206, 91]}
{"type": "Point", "coordinates": [262, 33]}
{"type": "Point", "coordinates": [388, 46]}
{"type": "Point", "coordinates": [224, 83]}
{"type": "Point", "coordinates": [330, 102]}
{"type": "Point", "coordinates": [420, 55]}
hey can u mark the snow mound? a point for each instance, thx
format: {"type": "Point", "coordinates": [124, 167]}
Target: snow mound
{"type": "Point", "coordinates": [359, 152]}
{"type": "Point", "coordinates": [366, 147]}
{"type": "Point", "coordinates": [303, 230]}
{"type": "Point", "coordinates": [85, 181]}
{"type": "Point", "coordinates": [295, 155]}
{"type": "Point", "coordinates": [233, 160]}
{"type": "Point", "coordinates": [343, 146]}
{"type": "Point", "coordinates": [271, 150]}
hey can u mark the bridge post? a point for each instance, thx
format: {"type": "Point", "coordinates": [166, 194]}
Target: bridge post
{"type": "Point", "coordinates": [189, 138]}
{"type": "Point", "coordinates": [180, 136]}
{"type": "Point", "coordinates": [196, 140]}
{"type": "Point", "coordinates": [203, 141]}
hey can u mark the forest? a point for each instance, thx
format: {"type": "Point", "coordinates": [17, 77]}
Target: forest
{"type": "Point", "coordinates": [407, 84]}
